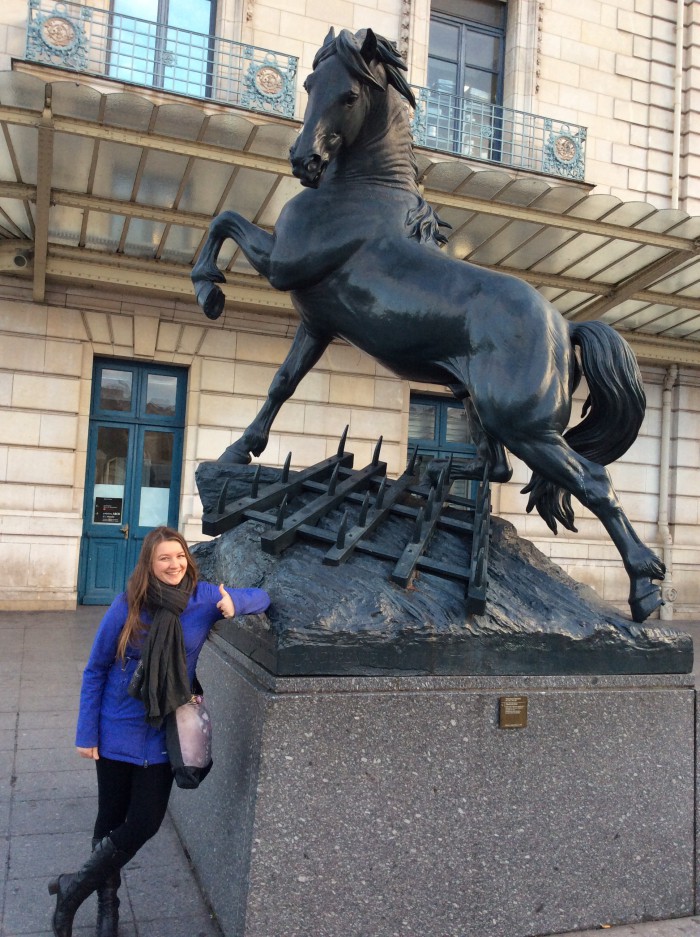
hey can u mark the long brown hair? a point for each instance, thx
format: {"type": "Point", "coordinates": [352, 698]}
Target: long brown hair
{"type": "Point", "coordinates": [137, 586]}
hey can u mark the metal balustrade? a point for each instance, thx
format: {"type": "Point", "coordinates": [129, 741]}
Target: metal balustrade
{"type": "Point", "coordinates": [136, 51]}
{"type": "Point", "coordinates": [140, 52]}
{"type": "Point", "coordinates": [494, 134]}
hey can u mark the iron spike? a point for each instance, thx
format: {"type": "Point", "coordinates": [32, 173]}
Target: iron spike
{"type": "Point", "coordinates": [364, 510]}
{"type": "Point", "coordinates": [343, 440]}
{"type": "Point", "coordinates": [340, 539]}
{"type": "Point", "coordinates": [420, 517]}
{"type": "Point", "coordinates": [281, 511]}
{"type": "Point", "coordinates": [379, 500]}
{"type": "Point", "coordinates": [377, 450]}
{"type": "Point", "coordinates": [334, 481]}
{"type": "Point", "coordinates": [285, 468]}
{"type": "Point", "coordinates": [221, 503]}
{"type": "Point", "coordinates": [256, 481]}
{"type": "Point", "coordinates": [411, 467]}
{"type": "Point", "coordinates": [430, 503]}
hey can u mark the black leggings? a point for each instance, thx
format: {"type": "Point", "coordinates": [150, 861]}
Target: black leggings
{"type": "Point", "coordinates": [131, 802]}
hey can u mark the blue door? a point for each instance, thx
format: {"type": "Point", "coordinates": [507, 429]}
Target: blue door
{"type": "Point", "coordinates": [134, 463]}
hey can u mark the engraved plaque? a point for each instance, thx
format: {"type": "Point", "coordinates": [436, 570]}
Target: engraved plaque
{"type": "Point", "coordinates": [512, 712]}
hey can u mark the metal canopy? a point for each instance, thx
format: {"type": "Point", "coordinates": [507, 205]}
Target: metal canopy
{"type": "Point", "coordinates": [117, 188]}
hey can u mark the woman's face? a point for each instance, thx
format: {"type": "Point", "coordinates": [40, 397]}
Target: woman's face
{"type": "Point", "coordinates": [169, 562]}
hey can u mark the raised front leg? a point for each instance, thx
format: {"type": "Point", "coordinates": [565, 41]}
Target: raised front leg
{"type": "Point", "coordinates": [303, 355]}
{"type": "Point", "coordinates": [255, 243]}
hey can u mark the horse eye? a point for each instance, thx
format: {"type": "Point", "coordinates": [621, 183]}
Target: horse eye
{"type": "Point", "coordinates": [351, 98]}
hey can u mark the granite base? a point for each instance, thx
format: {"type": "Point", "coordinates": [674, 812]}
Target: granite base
{"type": "Point", "coordinates": [398, 807]}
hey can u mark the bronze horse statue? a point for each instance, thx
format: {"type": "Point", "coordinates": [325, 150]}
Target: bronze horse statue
{"type": "Point", "coordinates": [359, 250]}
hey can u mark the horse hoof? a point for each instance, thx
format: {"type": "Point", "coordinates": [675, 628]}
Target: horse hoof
{"type": "Point", "coordinates": [643, 603]}
{"type": "Point", "coordinates": [234, 455]}
{"type": "Point", "coordinates": [210, 298]}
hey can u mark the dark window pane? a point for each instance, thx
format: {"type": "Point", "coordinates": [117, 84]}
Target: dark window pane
{"type": "Point", "coordinates": [110, 475]}
{"type": "Point", "coordinates": [444, 40]}
{"type": "Point", "coordinates": [442, 76]}
{"type": "Point", "coordinates": [486, 12]}
{"type": "Point", "coordinates": [482, 50]}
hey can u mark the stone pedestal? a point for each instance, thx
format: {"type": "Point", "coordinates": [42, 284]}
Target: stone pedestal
{"type": "Point", "coordinates": [398, 806]}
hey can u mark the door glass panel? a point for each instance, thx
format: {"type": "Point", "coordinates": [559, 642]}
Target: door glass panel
{"type": "Point", "coordinates": [421, 421]}
{"type": "Point", "coordinates": [156, 476]}
{"type": "Point", "coordinates": [115, 390]}
{"type": "Point", "coordinates": [110, 475]}
{"type": "Point", "coordinates": [457, 428]}
{"type": "Point", "coordinates": [161, 395]}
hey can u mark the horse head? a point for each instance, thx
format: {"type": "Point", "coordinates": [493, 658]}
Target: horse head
{"type": "Point", "coordinates": [347, 71]}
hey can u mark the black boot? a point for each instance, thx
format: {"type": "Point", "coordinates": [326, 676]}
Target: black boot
{"type": "Point", "coordinates": [107, 904]}
{"type": "Point", "coordinates": [71, 890]}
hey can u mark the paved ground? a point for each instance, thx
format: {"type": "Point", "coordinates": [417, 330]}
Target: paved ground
{"type": "Point", "coordinates": [47, 799]}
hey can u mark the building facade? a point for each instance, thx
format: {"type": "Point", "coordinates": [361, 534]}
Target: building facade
{"type": "Point", "coordinates": [559, 142]}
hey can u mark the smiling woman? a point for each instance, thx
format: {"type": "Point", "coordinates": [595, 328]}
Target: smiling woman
{"type": "Point", "coordinates": [141, 668]}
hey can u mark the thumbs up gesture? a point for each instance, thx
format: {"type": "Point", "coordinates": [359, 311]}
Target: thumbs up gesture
{"type": "Point", "coordinates": [225, 603]}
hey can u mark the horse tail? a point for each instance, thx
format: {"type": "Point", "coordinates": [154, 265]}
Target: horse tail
{"type": "Point", "coordinates": [613, 414]}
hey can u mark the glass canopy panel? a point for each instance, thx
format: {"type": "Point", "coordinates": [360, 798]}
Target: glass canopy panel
{"type": "Point", "coordinates": [143, 237]}
{"type": "Point", "coordinates": [596, 263]}
{"type": "Point", "coordinates": [636, 262]}
{"type": "Point", "coordinates": [72, 158]}
{"type": "Point", "coordinates": [288, 188]}
{"type": "Point", "coordinates": [570, 253]}
{"type": "Point", "coordinates": [70, 99]}
{"type": "Point", "coordinates": [620, 314]}
{"type": "Point", "coordinates": [684, 278]}
{"type": "Point", "coordinates": [248, 192]}
{"type": "Point", "coordinates": [161, 179]}
{"type": "Point", "coordinates": [539, 247]}
{"type": "Point", "coordinates": [205, 186]}
{"type": "Point", "coordinates": [181, 244]}
{"type": "Point", "coordinates": [664, 318]}
{"type": "Point", "coordinates": [115, 173]}
{"type": "Point", "coordinates": [180, 121]}
{"type": "Point", "coordinates": [571, 301]}
{"type": "Point", "coordinates": [7, 170]}
{"type": "Point", "coordinates": [104, 231]}
{"type": "Point", "coordinates": [128, 110]}
{"type": "Point", "coordinates": [505, 243]}
{"type": "Point", "coordinates": [24, 143]}
{"type": "Point", "coordinates": [481, 228]}
{"type": "Point", "coordinates": [65, 224]}
{"type": "Point", "coordinates": [689, 327]}
{"type": "Point", "coordinates": [12, 212]}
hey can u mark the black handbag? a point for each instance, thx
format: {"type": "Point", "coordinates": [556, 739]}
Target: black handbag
{"type": "Point", "coordinates": [188, 740]}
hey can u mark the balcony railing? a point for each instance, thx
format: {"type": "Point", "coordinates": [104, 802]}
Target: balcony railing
{"type": "Point", "coordinates": [495, 134]}
{"type": "Point", "coordinates": [136, 51]}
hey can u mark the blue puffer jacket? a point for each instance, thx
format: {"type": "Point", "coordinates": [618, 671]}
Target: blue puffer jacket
{"type": "Point", "coordinates": [111, 719]}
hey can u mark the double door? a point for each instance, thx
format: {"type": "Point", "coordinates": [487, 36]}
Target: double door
{"type": "Point", "coordinates": [134, 464]}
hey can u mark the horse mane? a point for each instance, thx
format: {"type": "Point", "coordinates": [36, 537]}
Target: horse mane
{"type": "Point", "coordinates": [356, 51]}
{"type": "Point", "coordinates": [350, 47]}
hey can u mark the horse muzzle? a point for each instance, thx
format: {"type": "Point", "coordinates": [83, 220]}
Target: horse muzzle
{"type": "Point", "coordinates": [308, 169]}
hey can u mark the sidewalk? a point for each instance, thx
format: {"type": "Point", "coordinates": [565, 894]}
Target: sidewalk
{"type": "Point", "coordinates": [48, 799]}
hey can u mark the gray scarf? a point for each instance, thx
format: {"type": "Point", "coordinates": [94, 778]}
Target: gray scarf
{"type": "Point", "coordinates": [160, 680]}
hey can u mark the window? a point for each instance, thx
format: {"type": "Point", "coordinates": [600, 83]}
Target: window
{"type": "Point", "coordinates": [438, 427]}
{"type": "Point", "coordinates": [465, 75]}
{"type": "Point", "coordinates": [164, 43]}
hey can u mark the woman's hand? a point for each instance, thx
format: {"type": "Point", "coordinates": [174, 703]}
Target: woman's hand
{"type": "Point", "coordinates": [225, 603]}
{"type": "Point", "coordinates": [89, 752]}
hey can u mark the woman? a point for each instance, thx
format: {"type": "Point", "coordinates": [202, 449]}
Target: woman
{"type": "Point", "coordinates": [160, 622]}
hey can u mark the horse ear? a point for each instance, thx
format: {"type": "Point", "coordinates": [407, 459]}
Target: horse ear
{"type": "Point", "coordinates": [329, 38]}
{"type": "Point", "coordinates": [369, 46]}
